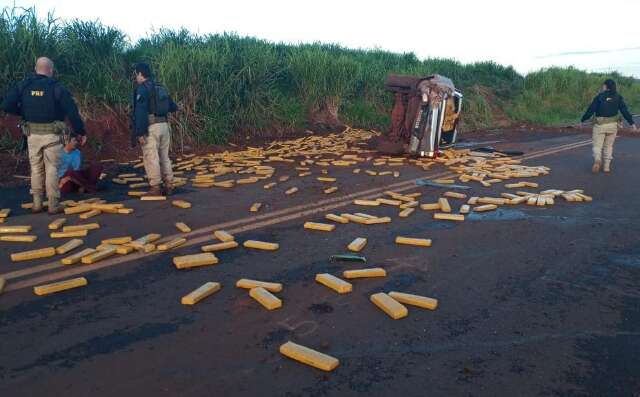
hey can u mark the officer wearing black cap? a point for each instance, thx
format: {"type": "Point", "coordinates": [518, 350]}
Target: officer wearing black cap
{"type": "Point", "coordinates": [151, 106]}
{"type": "Point", "coordinates": [44, 104]}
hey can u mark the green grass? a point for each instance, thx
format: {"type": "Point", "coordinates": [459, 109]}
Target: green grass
{"type": "Point", "coordinates": [561, 95]}
{"type": "Point", "coordinates": [227, 84]}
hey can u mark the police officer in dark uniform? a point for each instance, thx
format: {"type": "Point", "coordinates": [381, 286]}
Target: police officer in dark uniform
{"type": "Point", "coordinates": [44, 104]}
{"type": "Point", "coordinates": [151, 106]}
{"type": "Point", "coordinates": [607, 106]}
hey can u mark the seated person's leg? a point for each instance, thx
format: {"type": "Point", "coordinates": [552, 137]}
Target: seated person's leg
{"type": "Point", "coordinates": [93, 172]}
{"type": "Point", "coordinates": [91, 176]}
{"type": "Point", "coordinates": [66, 183]}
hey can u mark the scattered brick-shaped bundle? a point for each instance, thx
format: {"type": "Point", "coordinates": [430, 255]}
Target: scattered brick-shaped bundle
{"type": "Point", "coordinates": [309, 356]}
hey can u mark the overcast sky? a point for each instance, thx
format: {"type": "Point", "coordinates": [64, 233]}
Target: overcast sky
{"type": "Point", "coordinates": [590, 34]}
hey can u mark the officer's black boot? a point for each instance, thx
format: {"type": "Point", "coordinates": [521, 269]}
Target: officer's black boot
{"type": "Point", "coordinates": [54, 206]}
{"type": "Point", "coordinates": [168, 189]}
{"type": "Point", "coordinates": [154, 191]}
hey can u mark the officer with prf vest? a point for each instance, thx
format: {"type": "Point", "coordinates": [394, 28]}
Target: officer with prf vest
{"type": "Point", "coordinates": [44, 104]}
{"type": "Point", "coordinates": [151, 106]}
{"type": "Point", "coordinates": [607, 107]}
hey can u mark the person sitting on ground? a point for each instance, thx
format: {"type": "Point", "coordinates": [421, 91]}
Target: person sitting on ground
{"type": "Point", "coordinates": [72, 178]}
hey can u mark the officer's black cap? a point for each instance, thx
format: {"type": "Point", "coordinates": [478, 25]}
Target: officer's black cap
{"type": "Point", "coordinates": [610, 84]}
{"type": "Point", "coordinates": [144, 68]}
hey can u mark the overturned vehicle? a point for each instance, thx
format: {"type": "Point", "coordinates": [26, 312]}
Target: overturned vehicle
{"type": "Point", "coordinates": [425, 114]}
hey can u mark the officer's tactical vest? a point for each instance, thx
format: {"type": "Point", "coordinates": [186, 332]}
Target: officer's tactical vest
{"type": "Point", "coordinates": [608, 105]}
{"type": "Point", "coordinates": [158, 98]}
{"type": "Point", "coordinates": [38, 100]}
{"type": "Point", "coordinates": [608, 108]}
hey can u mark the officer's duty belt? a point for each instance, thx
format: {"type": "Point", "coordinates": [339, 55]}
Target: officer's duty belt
{"type": "Point", "coordinates": [607, 120]}
{"type": "Point", "coordinates": [153, 119]}
{"type": "Point", "coordinates": [55, 128]}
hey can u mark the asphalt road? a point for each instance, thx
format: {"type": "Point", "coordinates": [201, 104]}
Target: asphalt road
{"type": "Point", "coordinates": [532, 301]}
